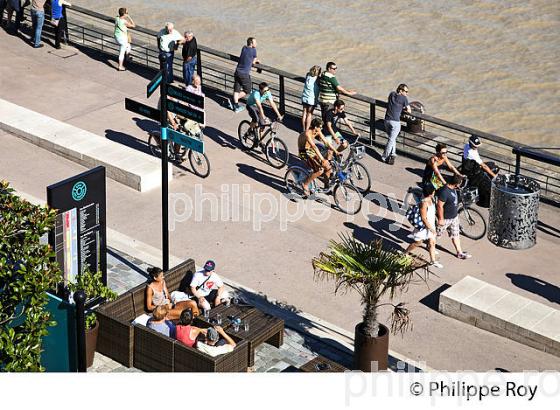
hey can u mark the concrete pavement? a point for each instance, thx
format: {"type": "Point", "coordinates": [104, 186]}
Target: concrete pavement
{"type": "Point", "coordinates": [86, 91]}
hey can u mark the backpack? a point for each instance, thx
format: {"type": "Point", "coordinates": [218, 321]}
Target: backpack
{"type": "Point", "coordinates": [413, 216]}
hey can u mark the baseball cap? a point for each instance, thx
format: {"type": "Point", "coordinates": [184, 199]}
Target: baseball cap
{"type": "Point", "coordinates": [209, 266]}
{"type": "Point", "coordinates": [212, 335]}
{"type": "Point", "coordinates": [474, 141]}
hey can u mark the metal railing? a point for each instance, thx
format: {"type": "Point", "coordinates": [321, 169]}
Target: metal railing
{"type": "Point", "coordinates": [94, 30]}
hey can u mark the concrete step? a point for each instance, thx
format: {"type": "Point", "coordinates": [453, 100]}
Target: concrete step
{"type": "Point", "coordinates": [128, 166]}
{"type": "Point", "coordinates": [502, 312]}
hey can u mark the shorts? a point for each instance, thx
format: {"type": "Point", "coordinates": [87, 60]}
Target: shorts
{"type": "Point", "coordinates": [242, 81]}
{"type": "Point", "coordinates": [310, 158]}
{"type": "Point", "coordinates": [452, 226]}
{"type": "Point", "coordinates": [253, 111]}
{"type": "Point", "coordinates": [308, 106]}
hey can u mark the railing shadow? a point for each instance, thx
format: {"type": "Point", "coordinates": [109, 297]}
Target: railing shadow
{"type": "Point", "coordinates": [537, 286]}
{"type": "Point", "coordinates": [548, 229]}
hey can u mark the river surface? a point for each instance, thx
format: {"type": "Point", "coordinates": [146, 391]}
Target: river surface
{"type": "Point", "coordinates": [490, 65]}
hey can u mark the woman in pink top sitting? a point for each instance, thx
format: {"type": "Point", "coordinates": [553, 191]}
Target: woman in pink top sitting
{"type": "Point", "coordinates": [185, 332]}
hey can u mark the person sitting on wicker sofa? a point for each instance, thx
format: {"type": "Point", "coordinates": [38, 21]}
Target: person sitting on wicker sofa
{"type": "Point", "coordinates": [208, 287]}
{"type": "Point", "coordinates": [160, 323]}
{"type": "Point", "coordinates": [158, 295]}
{"type": "Point", "coordinates": [213, 345]}
{"type": "Point", "coordinates": [186, 333]}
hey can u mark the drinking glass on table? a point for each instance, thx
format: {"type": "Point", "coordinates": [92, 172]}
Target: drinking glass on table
{"type": "Point", "coordinates": [219, 318]}
{"type": "Point", "coordinates": [206, 313]}
{"type": "Point", "coordinates": [246, 326]}
{"type": "Point", "coordinates": [235, 324]}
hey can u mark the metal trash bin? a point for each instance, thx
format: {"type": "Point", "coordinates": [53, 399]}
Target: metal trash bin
{"type": "Point", "coordinates": [514, 207]}
{"type": "Point", "coordinates": [413, 124]}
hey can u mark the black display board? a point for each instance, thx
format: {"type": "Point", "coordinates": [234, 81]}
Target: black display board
{"type": "Point", "coordinates": [80, 235]}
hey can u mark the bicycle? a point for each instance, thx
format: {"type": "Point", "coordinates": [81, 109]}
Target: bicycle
{"type": "Point", "coordinates": [200, 163]}
{"type": "Point", "coordinates": [471, 222]}
{"type": "Point", "coordinates": [275, 149]}
{"type": "Point", "coordinates": [346, 196]}
{"type": "Point", "coordinates": [359, 175]}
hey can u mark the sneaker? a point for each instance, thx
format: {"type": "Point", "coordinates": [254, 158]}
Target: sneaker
{"type": "Point", "coordinates": [391, 160]}
{"type": "Point", "coordinates": [464, 255]}
{"type": "Point", "coordinates": [238, 108]}
{"type": "Point", "coordinates": [436, 264]}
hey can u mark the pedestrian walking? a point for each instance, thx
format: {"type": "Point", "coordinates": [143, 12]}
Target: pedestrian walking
{"type": "Point", "coordinates": [396, 102]}
{"type": "Point", "coordinates": [330, 88]}
{"type": "Point", "coordinates": [309, 96]}
{"type": "Point", "coordinates": [37, 20]}
{"type": "Point", "coordinates": [242, 77]}
{"type": "Point", "coordinates": [122, 23]}
{"type": "Point", "coordinates": [59, 20]}
{"type": "Point", "coordinates": [427, 209]}
{"type": "Point", "coordinates": [168, 41]}
{"type": "Point", "coordinates": [447, 214]}
{"type": "Point", "coordinates": [189, 57]}
{"type": "Point", "coordinates": [3, 4]}
{"type": "Point", "coordinates": [17, 6]}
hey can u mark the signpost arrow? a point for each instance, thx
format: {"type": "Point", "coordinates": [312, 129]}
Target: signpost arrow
{"type": "Point", "coordinates": [185, 111]}
{"type": "Point", "coordinates": [142, 109]}
{"type": "Point", "coordinates": [186, 96]}
{"type": "Point", "coordinates": [153, 85]}
{"type": "Point", "coordinates": [186, 141]}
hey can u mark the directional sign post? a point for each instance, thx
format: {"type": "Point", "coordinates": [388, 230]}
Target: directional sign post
{"type": "Point", "coordinates": [186, 141]}
{"type": "Point", "coordinates": [183, 103]}
{"type": "Point", "coordinates": [153, 85]}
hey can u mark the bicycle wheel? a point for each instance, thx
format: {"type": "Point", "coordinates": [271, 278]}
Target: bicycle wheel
{"type": "Point", "coordinates": [347, 198]}
{"type": "Point", "coordinates": [155, 147]}
{"type": "Point", "coordinates": [276, 152]}
{"type": "Point", "coordinates": [199, 163]}
{"type": "Point", "coordinates": [247, 137]}
{"type": "Point", "coordinates": [411, 198]}
{"type": "Point", "coordinates": [293, 179]}
{"type": "Point", "coordinates": [471, 223]}
{"type": "Point", "coordinates": [359, 176]}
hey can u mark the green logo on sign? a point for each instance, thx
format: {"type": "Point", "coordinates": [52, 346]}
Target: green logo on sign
{"type": "Point", "coordinates": [79, 191]}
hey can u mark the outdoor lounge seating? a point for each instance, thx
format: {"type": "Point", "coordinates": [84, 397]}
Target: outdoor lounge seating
{"type": "Point", "coordinates": [145, 349]}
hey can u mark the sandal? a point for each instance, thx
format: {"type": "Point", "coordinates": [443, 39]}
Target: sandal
{"type": "Point", "coordinates": [121, 69]}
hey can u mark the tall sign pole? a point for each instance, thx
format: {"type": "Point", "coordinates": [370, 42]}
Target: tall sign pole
{"type": "Point", "coordinates": [164, 161]}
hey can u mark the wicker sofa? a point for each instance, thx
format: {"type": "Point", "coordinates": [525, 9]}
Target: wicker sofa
{"type": "Point", "coordinates": [147, 350]}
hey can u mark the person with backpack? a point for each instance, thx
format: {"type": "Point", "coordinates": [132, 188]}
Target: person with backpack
{"type": "Point", "coordinates": [423, 217]}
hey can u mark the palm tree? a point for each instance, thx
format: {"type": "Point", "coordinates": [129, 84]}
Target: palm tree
{"type": "Point", "coordinates": [372, 271]}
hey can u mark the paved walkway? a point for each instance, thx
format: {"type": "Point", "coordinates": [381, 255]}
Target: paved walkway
{"type": "Point", "coordinates": [86, 91]}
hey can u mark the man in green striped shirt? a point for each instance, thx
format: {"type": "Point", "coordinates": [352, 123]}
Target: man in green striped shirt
{"type": "Point", "coordinates": [330, 88]}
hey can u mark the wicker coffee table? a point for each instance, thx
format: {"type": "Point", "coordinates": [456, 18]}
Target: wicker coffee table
{"type": "Point", "coordinates": [262, 328]}
{"type": "Point", "coordinates": [321, 364]}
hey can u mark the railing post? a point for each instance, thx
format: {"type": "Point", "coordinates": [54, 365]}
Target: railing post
{"type": "Point", "coordinates": [199, 63]}
{"type": "Point", "coordinates": [282, 96]}
{"type": "Point", "coordinates": [371, 123]}
{"type": "Point", "coordinates": [517, 164]}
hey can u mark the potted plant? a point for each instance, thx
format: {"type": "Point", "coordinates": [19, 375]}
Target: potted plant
{"type": "Point", "coordinates": [92, 285]}
{"type": "Point", "coordinates": [373, 272]}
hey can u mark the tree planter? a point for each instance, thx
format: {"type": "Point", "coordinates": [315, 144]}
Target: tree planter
{"type": "Point", "coordinates": [91, 343]}
{"type": "Point", "coordinates": [371, 354]}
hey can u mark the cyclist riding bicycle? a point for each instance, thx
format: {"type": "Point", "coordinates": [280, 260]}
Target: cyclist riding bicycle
{"type": "Point", "coordinates": [310, 153]}
{"type": "Point", "coordinates": [332, 117]}
{"type": "Point", "coordinates": [255, 107]}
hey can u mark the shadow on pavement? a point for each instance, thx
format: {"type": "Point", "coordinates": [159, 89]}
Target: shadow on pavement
{"type": "Point", "coordinates": [537, 286]}
{"type": "Point", "coordinates": [548, 229]}
{"type": "Point", "coordinates": [262, 176]}
{"type": "Point", "coordinates": [128, 140]}
{"type": "Point", "coordinates": [432, 300]}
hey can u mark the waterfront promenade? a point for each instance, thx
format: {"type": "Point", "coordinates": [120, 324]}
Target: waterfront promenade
{"type": "Point", "coordinates": [86, 91]}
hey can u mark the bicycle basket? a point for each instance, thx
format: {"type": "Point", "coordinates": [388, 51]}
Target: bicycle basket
{"type": "Point", "coordinates": [359, 151]}
{"type": "Point", "coordinates": [342, 176]}
{"type": "Point", "coordinates": [469, 195]}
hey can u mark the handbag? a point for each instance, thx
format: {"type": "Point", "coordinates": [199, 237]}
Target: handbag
{"type": "Point", "coordinates": [414, 217]}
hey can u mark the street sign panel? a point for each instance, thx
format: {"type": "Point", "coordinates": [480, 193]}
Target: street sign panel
{"type": "Point", "coordinates": [185, 111]}
{"type": "Point", "coordinates": [186, 141]}
{"type": "Point", "coordinates": [142, 109]}
{"type": "Point", "coordinates": [154, 84]}
{"type": "Point", "coordinates": [186, 96]}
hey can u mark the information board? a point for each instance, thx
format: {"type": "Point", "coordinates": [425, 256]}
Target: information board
{"type": "Point", "coordinates": [79, 238]}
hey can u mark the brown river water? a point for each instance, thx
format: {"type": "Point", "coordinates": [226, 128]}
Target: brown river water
{"type": "Point", "coordinates": [490, 65]}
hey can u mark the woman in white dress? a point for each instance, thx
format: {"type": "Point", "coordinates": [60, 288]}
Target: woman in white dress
{"type": "Point", "coordinates": [428, 233]}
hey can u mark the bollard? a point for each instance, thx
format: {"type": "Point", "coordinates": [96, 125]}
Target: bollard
{"type": "Point", "coordinates": [80, 300]}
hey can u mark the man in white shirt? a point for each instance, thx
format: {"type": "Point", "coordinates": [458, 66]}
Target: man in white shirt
{"type": "Point", "coordinates": [207, 287]}
{"type": "Point", "coordinates": [168, 41]}
{"type": "Point", "coordinates": [212, 337]}
{"type": "Point", "coordinates": [470, 152]}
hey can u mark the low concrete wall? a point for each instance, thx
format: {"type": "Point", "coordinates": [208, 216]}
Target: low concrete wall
{"type": "Point", "coordinates": [502, 312]}
{"type": "Point", "coordinates": [135, 169]}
